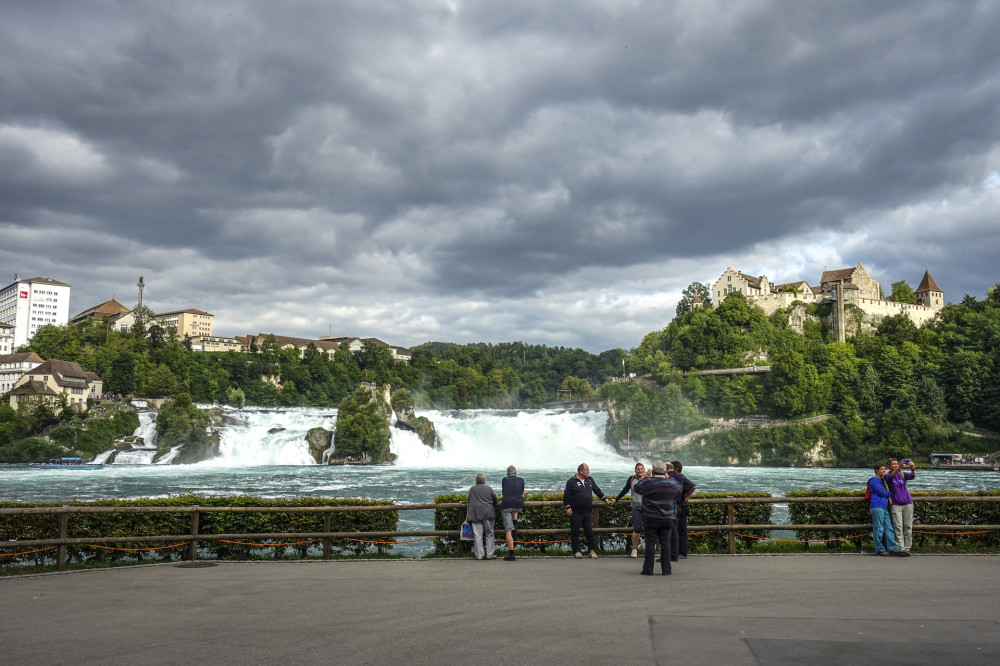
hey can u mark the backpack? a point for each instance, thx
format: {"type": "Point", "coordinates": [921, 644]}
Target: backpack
{"type": "Point", "coordinates": [868, 491]}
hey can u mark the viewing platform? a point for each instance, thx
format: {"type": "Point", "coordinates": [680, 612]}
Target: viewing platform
{"type": "Point", "coordinates": [770, 609]}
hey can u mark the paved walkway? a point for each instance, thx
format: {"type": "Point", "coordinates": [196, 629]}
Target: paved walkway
{"type": "Point", "coordinates": [712, 610]}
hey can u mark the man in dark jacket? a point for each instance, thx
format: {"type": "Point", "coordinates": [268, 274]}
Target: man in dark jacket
{"type": "Point", "coordinates": [660, 495]}
{"type": "Point", "coordinates": [578, 498]}
{"type": "Point", "coordinates": [679, 537]}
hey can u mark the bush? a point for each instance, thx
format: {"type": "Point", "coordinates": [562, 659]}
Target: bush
{"type": "Point", "coordinates": [35, 526]}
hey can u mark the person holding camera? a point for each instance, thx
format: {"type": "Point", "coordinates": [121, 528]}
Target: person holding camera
{"type": "Point", "coordinates": [901, 509]}
{"type": "Point", "coordinates": [878, 506]}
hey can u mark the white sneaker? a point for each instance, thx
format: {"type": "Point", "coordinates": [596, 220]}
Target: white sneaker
{"type": "Point", "coordinates": [593, 555]}
{"type": "Point", "coordinates": [635, 553]}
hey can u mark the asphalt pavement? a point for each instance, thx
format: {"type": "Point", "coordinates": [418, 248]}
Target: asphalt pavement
{"type": "Point", "coordinates": [745, 609]}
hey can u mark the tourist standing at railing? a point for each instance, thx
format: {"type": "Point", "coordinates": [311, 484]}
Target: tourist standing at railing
{"type": "Point", "coordinates": [902, 504]}
{"type": "Point", "coordinates": [482, 516]}
{"type": "Point", "coordinates": [660, 495]}
{"type": "Point", "coordinates": [578, 498]}
{"type": "Point", "coordinates": [878, 505]}
{"type": "Point", "coordinates": [640, 474]}
{"type": "Point", "coordinates": [679, 538]}
{"type": "Point", "coordinates": [512, 489]}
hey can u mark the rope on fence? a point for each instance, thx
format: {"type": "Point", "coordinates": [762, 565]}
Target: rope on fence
{"type": "Point", "coordinates": [390, 542]}
{"type": "Point", "coordinates": [91, 545]}
{"type": "Point", "coordinates": [856, 536]}
{"type": "Point", "coordinates": [268, 545]}
{"type": "Point", "coordinates": [28, 552]}
{"type": "Point", "coordinates": [953, 533]}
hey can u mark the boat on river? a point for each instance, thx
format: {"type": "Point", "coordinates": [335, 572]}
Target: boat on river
{"type": "Point", "coordinates": [70, 463]}
{"type": "Point", "coordinates": [989, 463]}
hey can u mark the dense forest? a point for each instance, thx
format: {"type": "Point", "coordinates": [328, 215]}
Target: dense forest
{"type": "Point", "coordinates": [892, 388]}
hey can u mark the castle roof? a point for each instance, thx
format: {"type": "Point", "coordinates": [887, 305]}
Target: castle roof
{"type": "Point", "coordinates": [928, 284]}
{"type": "Point", "coordinates": [750, 279]}
{"type": "Point", "coordinates": [837, 275]}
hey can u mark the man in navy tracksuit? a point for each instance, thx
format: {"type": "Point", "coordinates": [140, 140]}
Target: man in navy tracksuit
{"type": "Point", "coordinates": [660, 495]}
{"type": "Point", "coordinates": [578, 498]}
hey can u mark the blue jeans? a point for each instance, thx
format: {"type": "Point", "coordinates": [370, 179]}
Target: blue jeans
{"type": "Point", "coordinates": [882, 530]}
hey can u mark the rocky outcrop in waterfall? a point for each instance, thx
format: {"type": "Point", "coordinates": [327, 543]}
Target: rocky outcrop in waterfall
{"type": "Point", "coordinates": [319, 440]}
{"type": "Point", "coordinates": [362, 434]}
{"type": "Point", "coordinates": [406, 418]}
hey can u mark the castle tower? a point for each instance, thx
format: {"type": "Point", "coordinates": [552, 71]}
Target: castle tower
{"type": "Point", "coordinates": [928, 293]}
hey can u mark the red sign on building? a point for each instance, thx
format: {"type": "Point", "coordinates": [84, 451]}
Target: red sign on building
{"type": "Point", "coordinates": [24, 293]}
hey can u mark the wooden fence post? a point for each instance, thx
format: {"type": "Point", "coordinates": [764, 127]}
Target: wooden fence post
{"type": "Point", "coordinates": [193, 546]}
{"type": "Point", "coordinates": [463, 513]}
{"type": "Point", "coordinates": [597, 523]}
{"type": "Point", "coordinates": [63, 534]}
{"type": "Point", "coordinates": [327, 543]}
{"type": "Point", "coordinates": [731, 520]}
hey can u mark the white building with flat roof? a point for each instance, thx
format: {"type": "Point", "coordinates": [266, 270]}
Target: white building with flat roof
{"type": "Point", "coordinates": [29, 304]}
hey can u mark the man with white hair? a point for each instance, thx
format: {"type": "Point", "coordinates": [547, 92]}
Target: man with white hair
{"type": "Point", "coordinates": [660, 495]}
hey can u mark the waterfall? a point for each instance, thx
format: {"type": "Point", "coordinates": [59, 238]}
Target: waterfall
{"type": "Point", "coordinates": [270, 436]}
{"type": "Point", "coordinates": [147, 429]}
{"type": "Point", "coordinates": [483, 438]}
{"type": "Point", "coordinates": [475, 438]}
{"type": "Point", "coordinates": [135, 457]}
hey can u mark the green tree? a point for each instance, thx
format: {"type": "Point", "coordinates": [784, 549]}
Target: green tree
{"type": "Point", "coordinates": [902, 292]}
{"type": "Point", "coordinates": [161, 382]}
{"type": "Point", "coordinates": [694, 290]}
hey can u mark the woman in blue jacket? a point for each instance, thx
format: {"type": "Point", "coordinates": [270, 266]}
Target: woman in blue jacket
{"type": "Point", "coordinates": [879, 504]}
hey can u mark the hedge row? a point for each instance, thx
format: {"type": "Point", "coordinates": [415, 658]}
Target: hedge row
{"type": "Point", "coordinates": [83, 525]}
{"type": "Point", "coordinates": [619, 515]}
{"type": "Point", "coordinates": [961, 514]}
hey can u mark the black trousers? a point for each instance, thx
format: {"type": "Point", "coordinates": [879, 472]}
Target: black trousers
{"type": "Point", "coordinates": [679, 536]}
{"type": "Point", "coordinates": [657, 532]}
{"type": "Point", "coordinates": [582, 518]}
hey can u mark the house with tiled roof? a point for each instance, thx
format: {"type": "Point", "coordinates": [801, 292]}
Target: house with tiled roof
{"type": "Point", "coordinates": [288, 342]}
{"type": "Point", "coordinates": [355, 344]}
{"type": "Point", "coordinates": [105, 310]}
{"type": "Point", "coordinates": [13, 366]}
{"type": "Point", "coordinates": [53, 379]}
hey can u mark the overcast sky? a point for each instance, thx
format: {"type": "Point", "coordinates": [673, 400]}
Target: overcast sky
{"type": "Point", "coordinates": [551, 172]}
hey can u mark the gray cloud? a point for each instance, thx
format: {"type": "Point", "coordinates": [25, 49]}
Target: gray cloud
{"type": "Point", "coordinates": [551, 172]}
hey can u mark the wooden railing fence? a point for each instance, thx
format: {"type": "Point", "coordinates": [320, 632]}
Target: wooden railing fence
{"type": "Point", "coordinates": [194, 537]}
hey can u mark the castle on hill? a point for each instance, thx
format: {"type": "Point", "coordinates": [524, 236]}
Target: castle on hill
{"type": "Point", "coordinates": [857, 286]}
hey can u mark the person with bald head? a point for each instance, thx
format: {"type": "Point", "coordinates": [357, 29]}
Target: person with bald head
{"type": "Point", "coordinates": [660, 495]}
{"type": "Point", "coordinates": [578, 498]}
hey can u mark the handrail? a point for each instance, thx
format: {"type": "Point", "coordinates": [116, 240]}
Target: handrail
{"type": "Point", "coordinates": [194, 535]}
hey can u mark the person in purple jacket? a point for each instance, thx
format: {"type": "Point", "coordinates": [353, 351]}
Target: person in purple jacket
{"type": "Point", "coordinates": [879, 508]}
{"type": "Point", "coordinates": [902, 504]}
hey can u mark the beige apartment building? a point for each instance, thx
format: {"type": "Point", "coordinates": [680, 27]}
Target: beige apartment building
{"type": "Point", "coordinates": [190, 322]}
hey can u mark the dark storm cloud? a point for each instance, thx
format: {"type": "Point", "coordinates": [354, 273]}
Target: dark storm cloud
{"type": "Point", "coordinates": [554, 172]}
